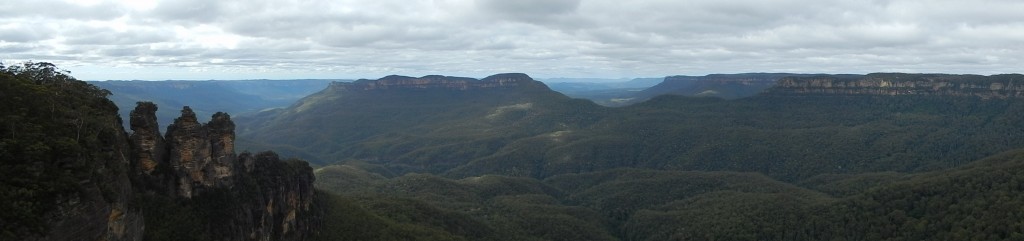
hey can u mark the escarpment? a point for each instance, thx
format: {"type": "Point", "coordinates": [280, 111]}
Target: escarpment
{"type": "Point", "coordinates": [498, 81]}
{"type": "Point", "coordinates": [255, 197]}
{"type": "Point", "coordinates": [985, 87]}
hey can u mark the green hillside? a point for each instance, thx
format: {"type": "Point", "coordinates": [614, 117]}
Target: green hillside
{"type": "Point", "coordinates": [416, 129]}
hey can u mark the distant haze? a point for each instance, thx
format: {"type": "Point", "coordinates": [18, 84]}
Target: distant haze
{"type": "Point", "coordinates": [271, 39]}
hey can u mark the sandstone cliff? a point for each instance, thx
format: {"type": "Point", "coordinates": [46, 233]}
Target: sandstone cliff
{"type": "Point", "coordinates": [71, 172]}
{"type": "Point", "coordinates": [509, 80]}
{"type": "Point", "coordinates": [101, 206]}
{"type": "Point", "coordinates": [64, 160]}
{"type": "Point", "coordinates": [986, 87]}
{"type": "Point", "coordinates": [257, 197]}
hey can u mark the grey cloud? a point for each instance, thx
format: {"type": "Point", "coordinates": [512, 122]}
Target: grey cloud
{"type": "Point", "coordinates": [495, 43]}
{"type": "Point", "coordinates": [109, 36]}
{"type": "Point", "coordinates": [532, 11]}
{"type": "Point", "coordinates": [277, 45]}
{"type": "Point", "coordinates": [541, 37]}
{"type": "Point", "coordinates": [293, 25]}
{"type": "Point", "coordinates": [16, 48]}
{"type": "Point", "coordinates": [118, 52]}
{"type": "Point", "coordinates": [200, 11]}
{"type": "Point", "coordinates": [175, 50]}
{"type": "Point", "coordinates": [55, 9]}
{"type": "Point", "coordinates": [25, 33]}
{"type": "Point", "coordinates": [527, 7]}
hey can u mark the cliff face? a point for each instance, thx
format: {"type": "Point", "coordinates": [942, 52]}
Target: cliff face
{"type": "Point", "coordinates": [201, 156]}
{"type": "Point", "coordinates": [71, 172]}
{"type": "Point", "coordinates": [258, 197]}
{"type": "Point", "coordinates": [742, 79]}
{"type": "Point", "coordinates": [100, 209]}
{"type": "Point", "coordinates": [438, 82]}
{"type": "Point", "coordinates": [986, 87]}
{"type": "Point", "coordinates": [279, 206]}
{"type": "Point", "coordinates": [64, 160]}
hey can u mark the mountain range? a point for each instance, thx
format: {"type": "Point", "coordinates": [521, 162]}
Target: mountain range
{"type": "Point", "coordinates": [617, 94]}
{"type": "Point", "coordinates": [863, 157]}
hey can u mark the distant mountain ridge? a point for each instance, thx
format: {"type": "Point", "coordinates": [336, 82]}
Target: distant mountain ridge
{"type": "Point", "coordinates": [601, 91]}
{"type": "Point", "coordinates": [469, 116]}
{"type": "Point", "coordinates": [438, 81]}
{"type": "Point", "coordinates": [239, 97]}
{"type": "Point", "coordinates": [726, 86]}
{"type": "Point", "coordinates": [986, 87]}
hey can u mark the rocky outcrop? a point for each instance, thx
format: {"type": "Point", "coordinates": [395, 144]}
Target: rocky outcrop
{"type": "Point", "coordinates": [201, 156]}
{"type": "Point", "coordinates": [279, 206]}
{"type": "Point", "coordinates": [149, 147]}
{"type": "Point", "coordinates": [71, 172]}
{"type": "Point", "coordinates": [260, 197]}
{"type": "Point", "coordinates": [986, 87]}
{"type": "Point", "coordinates": [149, 150]}
{"type": "Point", "coordinates": [438, 82]}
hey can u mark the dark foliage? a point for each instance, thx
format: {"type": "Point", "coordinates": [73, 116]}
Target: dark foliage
{"type": "Point", "coordinates": [58, 138]}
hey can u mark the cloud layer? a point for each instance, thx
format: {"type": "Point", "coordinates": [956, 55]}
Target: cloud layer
{"type": "Point", "coordinates": [201, 39]}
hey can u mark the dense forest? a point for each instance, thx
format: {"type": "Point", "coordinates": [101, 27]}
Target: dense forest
{"type": "Point", "coordinates": [978, 201]}
{"type": "Point", "coordinates": [58, 145]}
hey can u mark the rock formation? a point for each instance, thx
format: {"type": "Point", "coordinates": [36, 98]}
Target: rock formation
{"type": "Point", "coordinates": [71, 172]}
{"type": "Point", "coordinates": [986, 87]}
{"type": "Point", "coordinates": [201, 156]}
{"type": "Point", "coordinates": [149, 145]}
{"type": "Point", "coordinates": [271, 199]}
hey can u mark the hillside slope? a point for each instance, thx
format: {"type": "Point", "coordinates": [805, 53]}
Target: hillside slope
{"type": "Point", "coordinates": [432, 123]}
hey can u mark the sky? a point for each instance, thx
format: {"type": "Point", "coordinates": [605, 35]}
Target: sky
{"type": "Point", "coordinates": [347, 39]}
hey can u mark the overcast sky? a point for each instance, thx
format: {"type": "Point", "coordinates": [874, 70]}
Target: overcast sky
{"type": "Point", "coordinates": [283, 39]}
